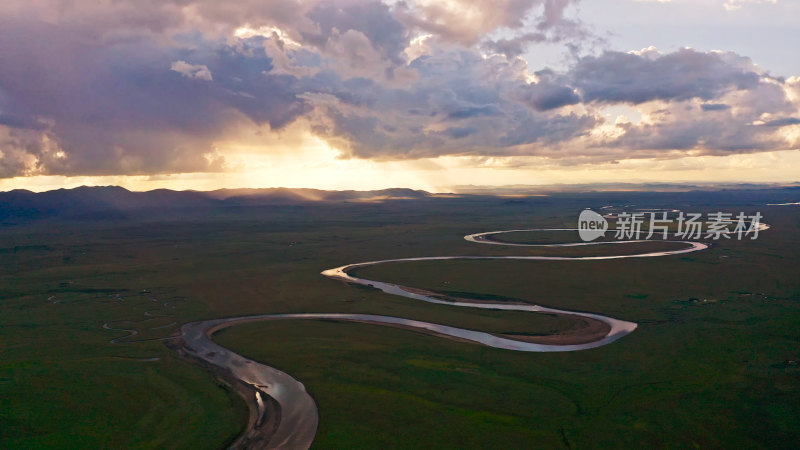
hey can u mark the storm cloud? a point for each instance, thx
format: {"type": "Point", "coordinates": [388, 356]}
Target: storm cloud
{"type": "Point", "coordinates": [615, 77]}
{"type": "Point", "coordinates": [148, 87]}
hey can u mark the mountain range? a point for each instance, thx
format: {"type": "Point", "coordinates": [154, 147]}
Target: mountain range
{"type": "Point", "coordinates": [110, 202]}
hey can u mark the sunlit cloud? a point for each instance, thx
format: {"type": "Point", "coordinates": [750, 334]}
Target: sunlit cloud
{"type": "Point", "coordinates": [299, 92]}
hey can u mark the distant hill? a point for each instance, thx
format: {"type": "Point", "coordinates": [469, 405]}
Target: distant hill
{"type": "Point", "coordinates": [117, 203]}
{"type": "Point", "coordinates": [283, 195]}
{"type": "Point", "coordinates": [114, 202]}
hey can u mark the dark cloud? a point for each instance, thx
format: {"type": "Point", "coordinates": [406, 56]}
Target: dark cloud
{"type": "Point", "coordinates": [615, 77]}
{"type": "Point", "coordinates": [21, 122]}
{"type": "Point", "coordinates": [461, 103]}
{"type": "Point", "coordinates": [551, 26]}
{"type": "Point", "coordinates": [121, 108]}
{"type": "Point", "coordinates": [373, 19]}
{"type": "Point", "coordinates": [705, 137]}
{"type": "Point", "coordinates": [676, 130]}
{"type": "Point", "coordinates": [517, 45]}
{"type": "Point", "coordinates": [123, 87]}
{"type": "Point", "coordinates": [460, 132]}
{"type": "Point", "coordinates": [550, 92]}
{"type": "Point", "coordinates": [475, 111]}
{"type": "Point", "coordinates": [783, 122]}
{"type": "Point", "coordinates": [714, 107]}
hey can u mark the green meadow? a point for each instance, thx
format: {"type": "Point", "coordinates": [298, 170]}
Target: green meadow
{"type": "Point", "coordinates": [712, 364]}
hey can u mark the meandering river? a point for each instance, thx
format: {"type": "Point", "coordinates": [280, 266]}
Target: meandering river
{"type": "Point", "coordinates": [298, 414]}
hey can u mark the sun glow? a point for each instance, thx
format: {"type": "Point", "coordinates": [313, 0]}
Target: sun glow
{"type": "Point", "coordinates": [319, 166]}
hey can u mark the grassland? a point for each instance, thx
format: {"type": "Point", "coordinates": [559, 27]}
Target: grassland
{"type": "Point", "coordinates": [710, 365]}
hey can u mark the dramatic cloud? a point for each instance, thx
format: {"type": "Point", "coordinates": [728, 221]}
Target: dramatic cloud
{"type": "Point", "coordinates": [648, 75]}
{"type": "Point", "coordinates": [147, 87]}
{"type": "Point", "coordinates": [469, 21]}
{"type": "Point", "coordinates": [460, 103]}
{"type": "Point", "coordinates": [549, 92]}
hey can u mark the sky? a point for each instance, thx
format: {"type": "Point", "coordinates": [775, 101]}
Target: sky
{"type": "Point", "coordinates": [346, 94]}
